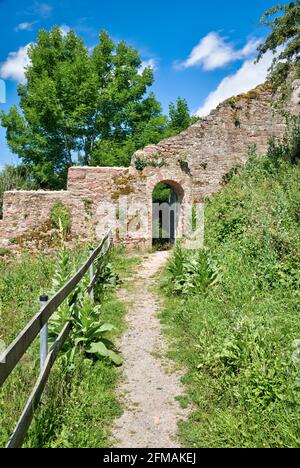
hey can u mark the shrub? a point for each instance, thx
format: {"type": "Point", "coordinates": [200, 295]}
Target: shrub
{"type": "Point", "coordinates": [191, 272]}
{"type": "Point", "coordinates": [89, 332]}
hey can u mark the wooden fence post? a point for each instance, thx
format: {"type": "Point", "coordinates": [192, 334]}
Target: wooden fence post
{"type": "Point", "coordinates": [43, 335]}
{"type": "Point", "coordinates": [92, 277]}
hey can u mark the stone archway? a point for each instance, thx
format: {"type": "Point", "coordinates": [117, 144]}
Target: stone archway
{"type": "Point", "coordinates": [167, 199]}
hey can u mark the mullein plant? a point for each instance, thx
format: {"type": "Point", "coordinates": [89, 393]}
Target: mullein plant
{"type": "Point", "coordinates": [89, 333]}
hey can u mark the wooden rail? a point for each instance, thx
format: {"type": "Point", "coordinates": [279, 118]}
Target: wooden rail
{"type": "Point", "coordinates": [24, 422]}
{"type": "Point", "coordinates": [12, 355]}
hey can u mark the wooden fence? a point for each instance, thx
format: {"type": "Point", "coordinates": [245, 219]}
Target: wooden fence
{"type": "Point", "coordinates": [12, 355]}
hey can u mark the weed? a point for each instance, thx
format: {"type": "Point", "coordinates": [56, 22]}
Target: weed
{"type": "Point", "coordinates": [60, 217]}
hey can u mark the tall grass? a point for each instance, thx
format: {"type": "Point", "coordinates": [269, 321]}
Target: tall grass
{"type": "Point", "coordinates": [80, 403]}
{"type": "Point", "coordinates": [238, 336]}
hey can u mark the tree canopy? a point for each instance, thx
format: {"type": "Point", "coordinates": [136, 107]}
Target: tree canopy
{"type": "Point", "coordinates": [283, 41]}
{"type": "Point", "coordinates": [87, 107]}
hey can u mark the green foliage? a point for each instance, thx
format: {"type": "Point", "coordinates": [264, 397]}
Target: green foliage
{"type": "Point", "coordinates": [156, 161]}
{"type": "Point", "coordinates": [139, 164]}
{"type": "Point", "coordinates": [89, 333]}
{"type": "Point", "coordinates": [76, 102]}
{"type": "Point", "coordinates": [4, 251]}
{"type": "Point", "coordinates": [288, 149]}
{"type": "Point", "coordinates": [107, 278]}
{"type": "Point", "coordinates": [191, 272]}
{"type": "Point", "coordinates": [284, 21]}
{"type": "Point", "coordinates": [231, 173]}
{"type": "Point", "coordinates": [232, 102]}
{"type": "Point", "coordinates": [237, 336]}
{"type": "Point", "coordinates": [97, 106]}
{"type": "Point", "coordinates": [60, 217]}
{"type": "Point", "coordinates": [180, 117]}
{"type": "Point", "coordinates": [15, 178]}
{"type": "Point", "coordinates": [161, 193]}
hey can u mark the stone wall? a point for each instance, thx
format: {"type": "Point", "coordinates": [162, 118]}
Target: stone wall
{"type": "Point", "coordinates": [109, 192]}
{"type": "Point", "coordinates": [25, 210]}
{"type": "Point", "coordinates": [193, 163]}
{"type": "Point", "coordinates": [222, 140]}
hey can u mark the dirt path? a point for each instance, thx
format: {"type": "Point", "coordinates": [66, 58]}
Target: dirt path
{"type": "Point", "coordinates": [149, 391]}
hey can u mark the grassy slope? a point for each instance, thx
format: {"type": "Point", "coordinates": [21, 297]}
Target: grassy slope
{"type": "Point", "coordinates": [236, 341]}
{"type": "Point", "coordinates": [78, 409]}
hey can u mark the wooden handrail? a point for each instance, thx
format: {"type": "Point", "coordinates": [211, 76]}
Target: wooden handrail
{"type": "Point", "coordinates": [16, 350]}
{"type": "Point", "coordinates": [23, 424]}
{"type": "Point", "coordinates": [12, 355]}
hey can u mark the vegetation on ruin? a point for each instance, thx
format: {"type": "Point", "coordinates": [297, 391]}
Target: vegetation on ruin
{"type": "Point", "coordinates": [60, 217]}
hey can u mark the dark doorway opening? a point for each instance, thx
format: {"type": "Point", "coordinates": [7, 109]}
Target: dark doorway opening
{"type": "Point", "coordinates": [166, 199]}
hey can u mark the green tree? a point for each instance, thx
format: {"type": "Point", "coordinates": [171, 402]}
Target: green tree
{"type": "Point", "coordinates": [284, 20]}
{"type": "Point", "coordinates": [76, 103]}
{"type": "Point", "coordinates": [180, 117]}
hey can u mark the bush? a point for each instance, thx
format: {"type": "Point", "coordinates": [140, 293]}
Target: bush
{"type": "Point", "coordinates": [89, 332]}
{"type": "Point", "coordinates": [60, 217]}
{"type": "Point", "coordinates": [191, 272]}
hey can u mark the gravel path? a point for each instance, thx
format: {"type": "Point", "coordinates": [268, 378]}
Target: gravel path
{"type": "Point", "coordinates": [149, 388]}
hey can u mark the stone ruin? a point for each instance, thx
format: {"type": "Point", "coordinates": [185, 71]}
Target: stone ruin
{"type": "Point", "coordinates": [193, 164]}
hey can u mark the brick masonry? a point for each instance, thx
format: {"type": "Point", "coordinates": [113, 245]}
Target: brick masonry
{"type": "Point", "coordinates": [193, 163]}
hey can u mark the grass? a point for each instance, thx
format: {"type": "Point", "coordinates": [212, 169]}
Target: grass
{"type": "Point", "coordinates": [79, 405]}
{"type": "Point", "coordinates": [237, 338]}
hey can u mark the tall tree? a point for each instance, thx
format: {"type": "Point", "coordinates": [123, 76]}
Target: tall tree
{"type": "Point", "coordinates": [284, 21]}
{"type": "Point", "coordinates": [180, 117]}
{"type": "Point", "coordinates": [76, 103]}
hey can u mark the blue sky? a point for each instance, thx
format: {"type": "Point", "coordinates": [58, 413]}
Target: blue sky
{"type": "Point", "coordinates": [202, 51]}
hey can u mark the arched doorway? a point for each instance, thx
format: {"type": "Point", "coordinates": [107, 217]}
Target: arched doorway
{"type": "Point", "coordinates": [167, 197]}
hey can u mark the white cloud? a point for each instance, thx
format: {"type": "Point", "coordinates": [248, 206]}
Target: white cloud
{"type": "Point", "coordinates": [249, 76]}
{"type": "Point", "coordinates": [43, 9]}
{"type": "Point", "coordinates": [65, 29]}
{"type": "Point", "coordinates": [25, 26]}
{"type": "Point", "coordinates": [148, 63]}
{"type": "Point", "coordinates": [214, 52]}
{"type": "Point", "coordinates": [14, 66]}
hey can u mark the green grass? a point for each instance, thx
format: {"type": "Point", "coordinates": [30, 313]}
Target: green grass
{"type": "Point", "coordinates": [78, 406]}
{"type": "Point", "coordinates": [236, 339]}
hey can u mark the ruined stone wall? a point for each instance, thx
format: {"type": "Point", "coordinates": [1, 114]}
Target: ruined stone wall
{"type": "Point", "coordinates": [193, 162]}
{"type": "Point", "coordinates": [25, 210]}
{"type": "Point", "coordinates": [217, 143]}
{"type": "Point", "coordinates": [121, 199]}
